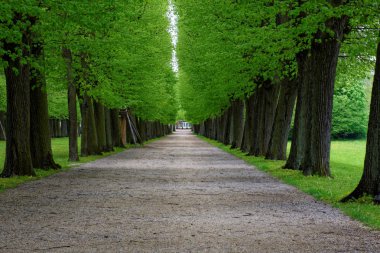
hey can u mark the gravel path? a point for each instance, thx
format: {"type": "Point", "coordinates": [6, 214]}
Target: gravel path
{"type": "Point", "coordinates": [178, 194]}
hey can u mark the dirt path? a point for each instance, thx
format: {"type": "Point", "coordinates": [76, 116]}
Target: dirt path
{"type": "Point", "coordinates": [178, 194]}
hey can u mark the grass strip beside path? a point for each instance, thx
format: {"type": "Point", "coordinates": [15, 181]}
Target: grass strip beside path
{"type": "Point", "coordinates": [347, 159]}
{"type": "Point", "coordinates": [61, 156]}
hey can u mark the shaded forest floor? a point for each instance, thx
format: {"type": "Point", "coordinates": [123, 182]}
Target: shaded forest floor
{"type": "Point", "coordinates": [178, 194]}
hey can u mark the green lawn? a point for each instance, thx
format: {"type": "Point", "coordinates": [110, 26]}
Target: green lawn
{"type": "Point", "coordinates": [60, 151]}
{"type": "Point", "coordinates": [347, 159]}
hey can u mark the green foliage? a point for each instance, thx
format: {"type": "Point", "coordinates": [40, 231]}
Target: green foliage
{"type": "Point", "coordinates": [148, 81]}
{"type": "Point", "coordinates": [17, 18]}
{"type": "Point", "coordinates": [350, 111]}
{"type": "Point", "coordinates": [121, 51]}
{"type": "Point", "coordinates": [181, 115]}
{"type": "Point", "coordinates": [347, 158]}
{"type": "Point", "coordinates": [227, 48]}
{"type": "Point", "coordinates": [351, 97]}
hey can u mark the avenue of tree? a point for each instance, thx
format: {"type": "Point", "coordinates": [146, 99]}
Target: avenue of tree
{"type": "Point", "coordinates": [252, 69]}
{"type": "Point", "coordinates": [252, 74]}
{"type": "Point", "coordinates": [110, 60]}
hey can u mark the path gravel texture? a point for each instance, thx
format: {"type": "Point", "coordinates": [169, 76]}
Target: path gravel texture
{"type": "Point", "coordinates": [178, 194]}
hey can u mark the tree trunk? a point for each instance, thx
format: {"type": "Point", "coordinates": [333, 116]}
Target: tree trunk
{"type": "Point", "coordinates": [226, 126]}
{"type": "Point", "coordinates": [100, 126]}
{"type": "Point", "coordinates": [264, 107]}
{"type": "Point", "coordinates": [202, 128]}
{"type": "Point", "coordinates": [2, 126]}
{"type": "Point", "coordinates": [220, 128]}
{"type": "Point", "coordinates": [301, 123]}
{"type": "Point", "coordinates": [129, 129]}
{"type": "Point", "coordinates": [84, 128]}
{"type": "Point", "coordinates": [237, 122]}
{"type": "Point", "coordinates": [72, 106]}
{"type": "Point", "coordinates": [214, 133]}
{"type": "Point", "coordinates": [41, 152]}
{"type": "Point", "coordinates": [18, 160]}
{"type": "Point", "coordinates": [370, 181]}
{"type": "Point", "coordinates": [59, 128]}
{"type": "Point", "coordinates": [205, 128]}
{"type": "Point", "coordinates": [144, 130]}
{"type": "Point", "coordinates": [123, 129]}
{"type": "Point", "coordinates": [116, 132]}
{"type": "Point", "coordinates": [64, 128]}
{"type": "Point", "coordinates": [283, 118]}
{"type": "Point", "coordinates": [211, 128]}
{"type": "Point", "coordinates": [40, 140]}
{"type": "Point", "coordinates": [247, 135]}
{"type": "Point", "coordinates": [89, 143]}
{"type": "Point", "coordinates": [320, 76]}
{"type": "Point", "coordinates": [108, 127]}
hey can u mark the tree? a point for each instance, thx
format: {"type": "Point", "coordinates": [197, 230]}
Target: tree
{"type": "Point", "coordinates": [113, 54]}
{"type": "Point", "coordinates": [281, 126]}
{"type": "Point", "coordinates": [42, 154]}
{"type": "Point", "coordinates": [370, 181]}
{"type": "Point", "coordinates": [15, 36]}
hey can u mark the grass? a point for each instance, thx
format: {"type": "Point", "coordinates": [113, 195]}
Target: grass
{"type": "Point", "coordinates": [60, 152]}
{"type": "Point", "coordinates": [347, 159]}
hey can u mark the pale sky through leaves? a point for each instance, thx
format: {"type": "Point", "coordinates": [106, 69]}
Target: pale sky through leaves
{"type": "Point", "coordinates": [173, 30]}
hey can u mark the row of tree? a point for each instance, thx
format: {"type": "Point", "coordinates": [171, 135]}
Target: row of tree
{"type": "Point", "coordinates": [98, 56]}
{"type": "Point", "coordinates": [252, 64]}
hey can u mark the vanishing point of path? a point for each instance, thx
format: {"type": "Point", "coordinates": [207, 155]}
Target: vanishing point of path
{"type": "Point", "coordinates": [178, 194]}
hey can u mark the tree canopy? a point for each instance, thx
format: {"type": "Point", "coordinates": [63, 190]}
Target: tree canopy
{"type": "Point", "coordinates": [226, 48]}
{"type": "Point", "coordinates": [126, 44]}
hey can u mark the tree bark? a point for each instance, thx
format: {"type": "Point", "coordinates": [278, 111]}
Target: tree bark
{"type": "Point", "coordinates": [124, 130]}
{"type": "Point", "coordinates": [72, 106]}
{"type": "Point", "coordinates": [129, 129]}
{"type": "Point", "coordinates": [140, 129]}
{"type": "Point", "coordinates": [41, 152]}
{"type": "Point", "coordinates": [320, 76]}
{"type": "Point", "coordinates": [207, 128]}
{"type": "Point", "coordinates": [40, 140]}
{"type": "Point", "coordinates": [214, 127]}
{"type": "Point", "coordinates": [248, 124]}
{"type": "Point", "coordinates": [370, 181]}
{"type": "Point", "coordinates": [226, 126]}
{"type": "Point", "coordinates": [116, 132]}
{"type": "Point", "coordinates": [89, 138]}
{"type": "Point", "coordinates": [18, 160]}
{"type": "Point", "coordinates": [264, 107]}
{"type": "Point", "coordinates": [100, 126]}
{"type": "Point", "coordinates": [221, 121]}
{"type": "Point", "coordinates": [2, 126]}
{"type": "Point", "coordinates": [64, 128]}
{"type": "Point", "coordinates": [202, 128]}
{"type": "Point", "coordinates": [301, 124]}
{"type": "Point", "coordinates": [108, 127]}
{"type": "Point", "coordinates": [280, 131]}
{"type": "Point", "coordinates": [237, 122]}
{"type": "Point", "coordinates": [58, 128]}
